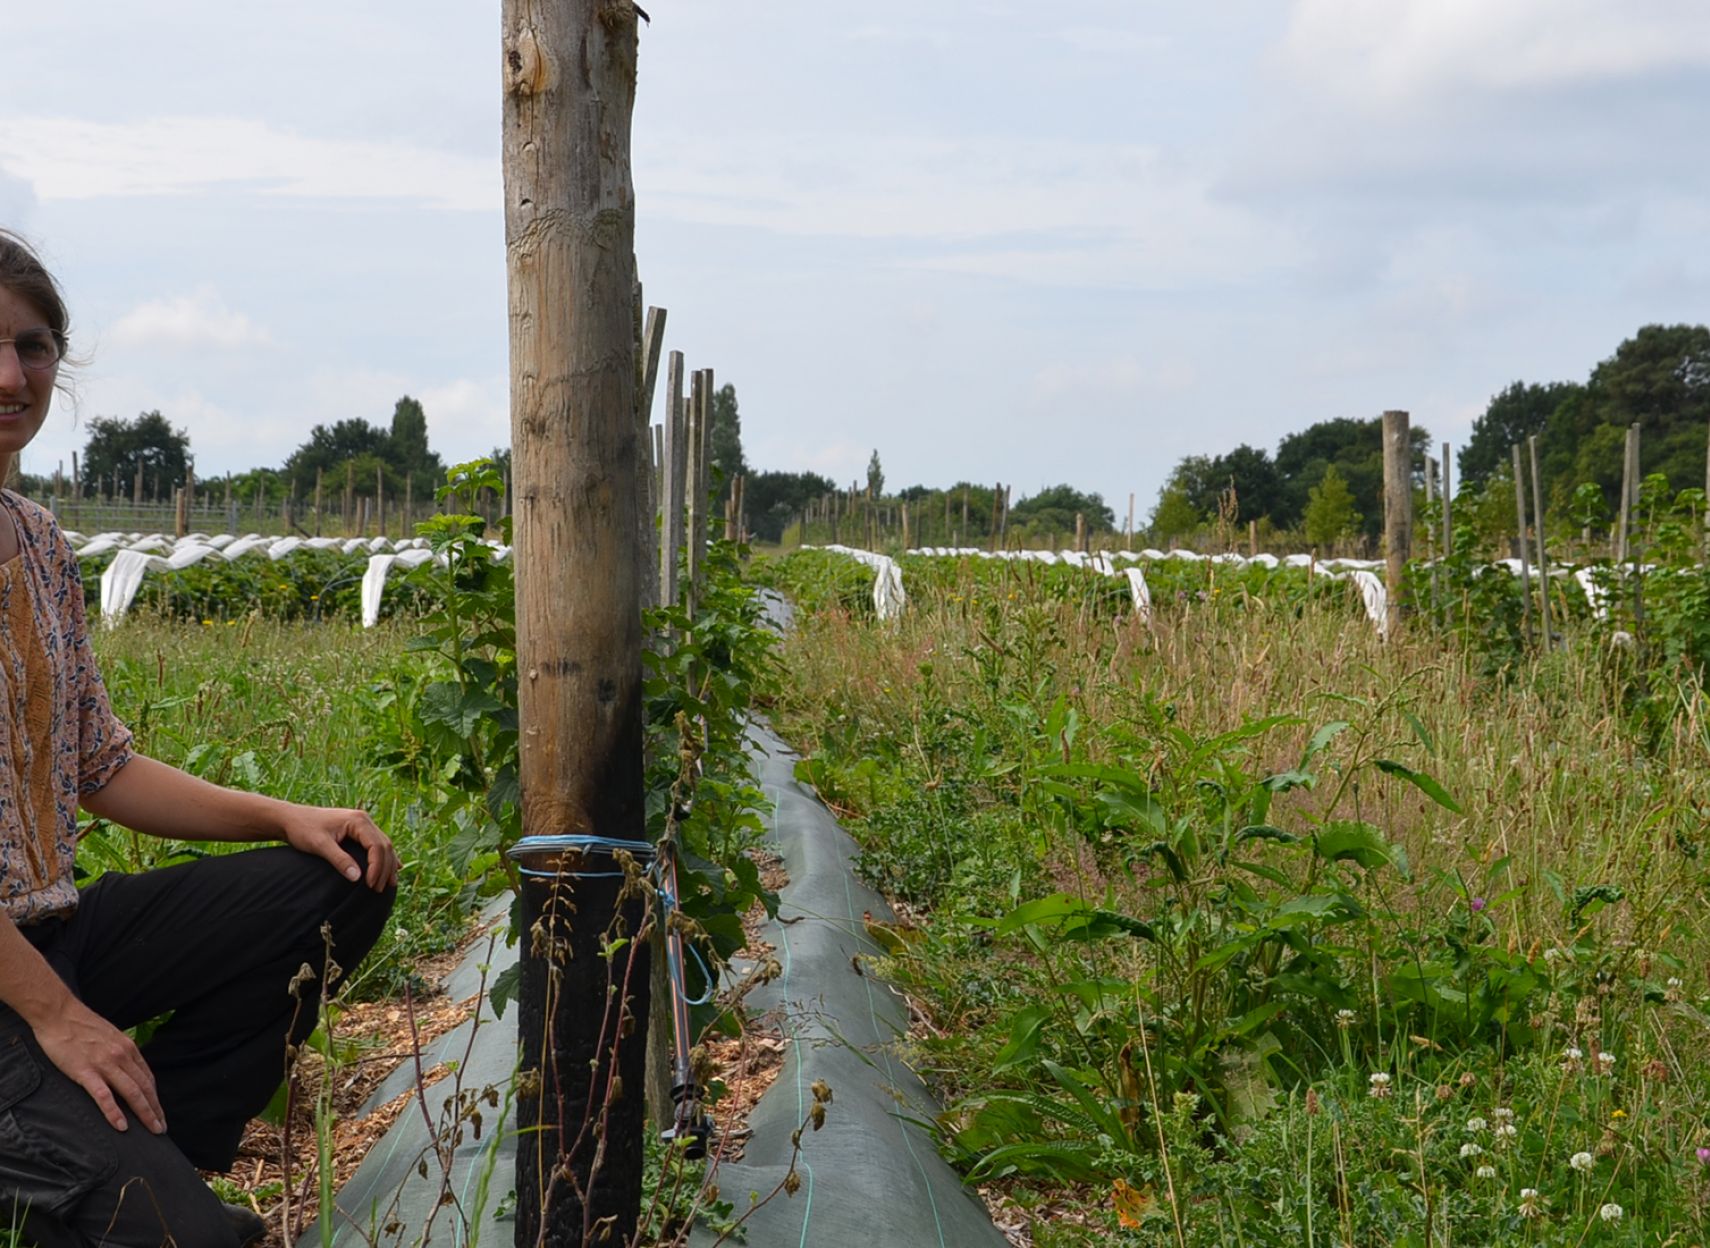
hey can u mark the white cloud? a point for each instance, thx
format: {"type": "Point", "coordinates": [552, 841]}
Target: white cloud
{"type": "Point", "coordinates": [1403, 50]}
{"type": "Point", "coordinates": [70, 158]}
{"type": "Point", "coordinates": [197, 321]}
{"type": "Point", "coordinates": [1115, 213]}
{"type": "Point", "coordinates": [467, 418]}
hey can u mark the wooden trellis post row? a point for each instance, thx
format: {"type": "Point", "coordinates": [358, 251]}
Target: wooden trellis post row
{"type": "Point", "coordinates": [569, 93]}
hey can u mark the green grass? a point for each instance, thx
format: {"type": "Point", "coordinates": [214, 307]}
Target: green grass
{"type": "Point", "coordinates": [283, 709]}
{"type": "Point", "coordinates": [1562, 906]}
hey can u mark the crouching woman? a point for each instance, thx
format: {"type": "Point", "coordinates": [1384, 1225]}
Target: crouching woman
{"type": "Point", "coordinates": [100, 1140]}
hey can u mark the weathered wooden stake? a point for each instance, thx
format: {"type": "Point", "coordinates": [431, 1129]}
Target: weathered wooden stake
{"type": "Point", "coordinates": [1525, 559]}
{"type": "Point", "coordinates": [1448, 531]}
{"type": "Point", "coordinates": [569, 89]}
{"type": "Point", "coordinates": [1629, 493]}
{"type": "Point", "coordinates": [1081, 531]}
{"type": "Point", "coordinates": [1397, 511]}
{"type": "Point", "coordinates": [1128, 532]}
{"type": "Point", "coordinates": [1538, 530]}
{"type": "Point", "coordinates": [675, 462]}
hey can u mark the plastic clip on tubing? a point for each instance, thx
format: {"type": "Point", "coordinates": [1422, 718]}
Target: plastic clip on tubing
{"type": "Point", "coordinates": [607, 845]}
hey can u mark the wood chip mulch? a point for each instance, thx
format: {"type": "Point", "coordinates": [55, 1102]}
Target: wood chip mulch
{"type": "Point", "coordinates": [276, 1172]}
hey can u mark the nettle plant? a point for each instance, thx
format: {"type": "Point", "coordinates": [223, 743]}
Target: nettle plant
{"type": "Point", "coordinates": [1266, 927]}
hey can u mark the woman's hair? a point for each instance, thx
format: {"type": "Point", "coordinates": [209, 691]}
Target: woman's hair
{"type": "Point", "coordinates": [27, 278]}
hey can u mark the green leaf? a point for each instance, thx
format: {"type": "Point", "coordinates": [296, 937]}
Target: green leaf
{"type": "Point", "coordinates": [1355, 841]}
{"type": "Point", "coordinates": [1023, 1040]}
{"type": "Point", "coordinates": [1266, 832]}
{"type": "Point", "coordinates": [1419, 780]}
{"type": "Point", "coordinates": [1420, 731]}
{"type": "Point", "coordinates": [504, 988]}
{"type": "Point", "coordinates": [1323, 737]}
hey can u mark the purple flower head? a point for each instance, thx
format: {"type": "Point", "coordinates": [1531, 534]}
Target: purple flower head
{"type": "Point", "coordinates": [1704, 1156]}
{"type": "Point", "coordinates": [1476, 904]}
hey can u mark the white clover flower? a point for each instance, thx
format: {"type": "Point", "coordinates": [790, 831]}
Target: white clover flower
{"type": "Point", "coordinates": [1674, 982]}
{"type": "Point", "coordinates": [1379, 1081]}
{"type": "Point", "coordinates": [1605, 1062]}
{"type": "Point", "coordinates": [1611, 1212]}
{"type": "Point", "coordinates": [1529, 1202]}
{"type": "Point", "coordinates": [1573, 1053]}
{"type": "Point", "coordinates": [1470, 1149]}
{"type": "Point", "coordinates": [1476, 1124]}
{"type": "Point", "coordinates": [1505, 1131]}
{"type": "Point", "coordinates": [1486, 1172]}
{"type": "Point", "coordinates": [1582, 1161]}
{"type": "Point", "coordinates": [1344, 1019]}
{"type": "Point", "coordinates": [1502, 1114]}
{"type": "Point", "coordinates": [1550, 955]}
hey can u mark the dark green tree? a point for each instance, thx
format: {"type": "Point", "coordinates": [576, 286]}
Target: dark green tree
{"type": "Point", "coordinates": [1330, 511]}
{"type": "Point", "coordinates": [329, 447]}
{"type": "Point", "coordinates": [122, 445]}
{"type": "Point", "coordinates": [1253, 477]}
{"type": "Point", "coordinates": [775, 500]}
{"type": "Point", "coordinates": [407, 448]}
{"type": "Point", "coordinates": [1516, 414]}
{"type": "Point", "coordinates": [1174, 516]}
{"type": "Point", "coordinates": [724, 438]}
{"type": "Point", "coordinates": [1659, 379]}
{"type": "Point", "coordinates": [875, 477]}
{"type": "Point", "coordinates": [1053, 510]}
{"type": "Point", "coordinates": [1355, 447]}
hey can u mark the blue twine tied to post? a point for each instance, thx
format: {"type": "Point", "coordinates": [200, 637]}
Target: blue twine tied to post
{"type": "Point", "coordinates": [644, 851]}
{"type": "Point", "coordinates": [608, 845]}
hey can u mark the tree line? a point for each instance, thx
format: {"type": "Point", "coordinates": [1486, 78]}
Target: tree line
{"type": "Point", "coordinates": [1324, 485]}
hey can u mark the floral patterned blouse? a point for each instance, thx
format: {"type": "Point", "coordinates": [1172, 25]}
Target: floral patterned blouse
{"type": "Point", "coordinates": [59, 739]}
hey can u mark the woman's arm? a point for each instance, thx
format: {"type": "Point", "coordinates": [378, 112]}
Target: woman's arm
{"type": "Point", "coordinates": [91, 1051]}
{"type": "Point", "coordinates": [151, 797]}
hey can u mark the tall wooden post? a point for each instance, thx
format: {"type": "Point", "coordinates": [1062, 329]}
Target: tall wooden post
{"type": "Point", "coordinates": [1397, 511]}
{"type": "Point", "coordinates": [569, 75]}
{"type": "Point", "coordinates": [1128, 533]}
{"type": "Point", "coordinates": [997, 509]}
{"type": "Point", "coordinates": [317, 498]}
{"type": "Point", "coordinates": [676, 459]}
{"type": "Point", "coordinates": [1538, 529]}
{"type": "Point", "coordinates": [652, 340]}
{"type": "Point", "coordinates": [694, 499]}
{"type": "Point", "coordinates": [1448, 531]}
{"type": "Point", "coordinates": [1629, 494]}
{"type": "Point", "coordinates": [1525, 559]}
{"type": "Point", "coordinates": [1081, 531]}
{"type": "Point", "coordinates": [702, 481]}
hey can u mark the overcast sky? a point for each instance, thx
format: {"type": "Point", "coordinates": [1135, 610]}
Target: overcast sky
{"type": "Point", "coordinates": [994, 239]}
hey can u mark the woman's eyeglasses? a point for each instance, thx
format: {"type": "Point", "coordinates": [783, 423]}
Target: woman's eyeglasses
{"type": "Point", "coordinates": [38, 348]}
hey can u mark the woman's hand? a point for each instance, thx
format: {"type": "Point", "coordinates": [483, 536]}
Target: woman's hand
{"type": "Point", "coordinates": [103, 1061]}
{"type": "Point", "coordinates": [323, 830]}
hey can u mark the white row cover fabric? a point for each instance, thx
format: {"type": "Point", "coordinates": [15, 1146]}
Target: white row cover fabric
{"type": "Point", "coordinates": [1373, 596]}
{"type": "Point", "coordinates": [141, 553]}
{"type": "Point", "coordinates": [889, 598]}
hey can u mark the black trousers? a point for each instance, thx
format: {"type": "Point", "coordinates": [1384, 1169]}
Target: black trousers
{"type": "Point", "coordinates": [216, 943]}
